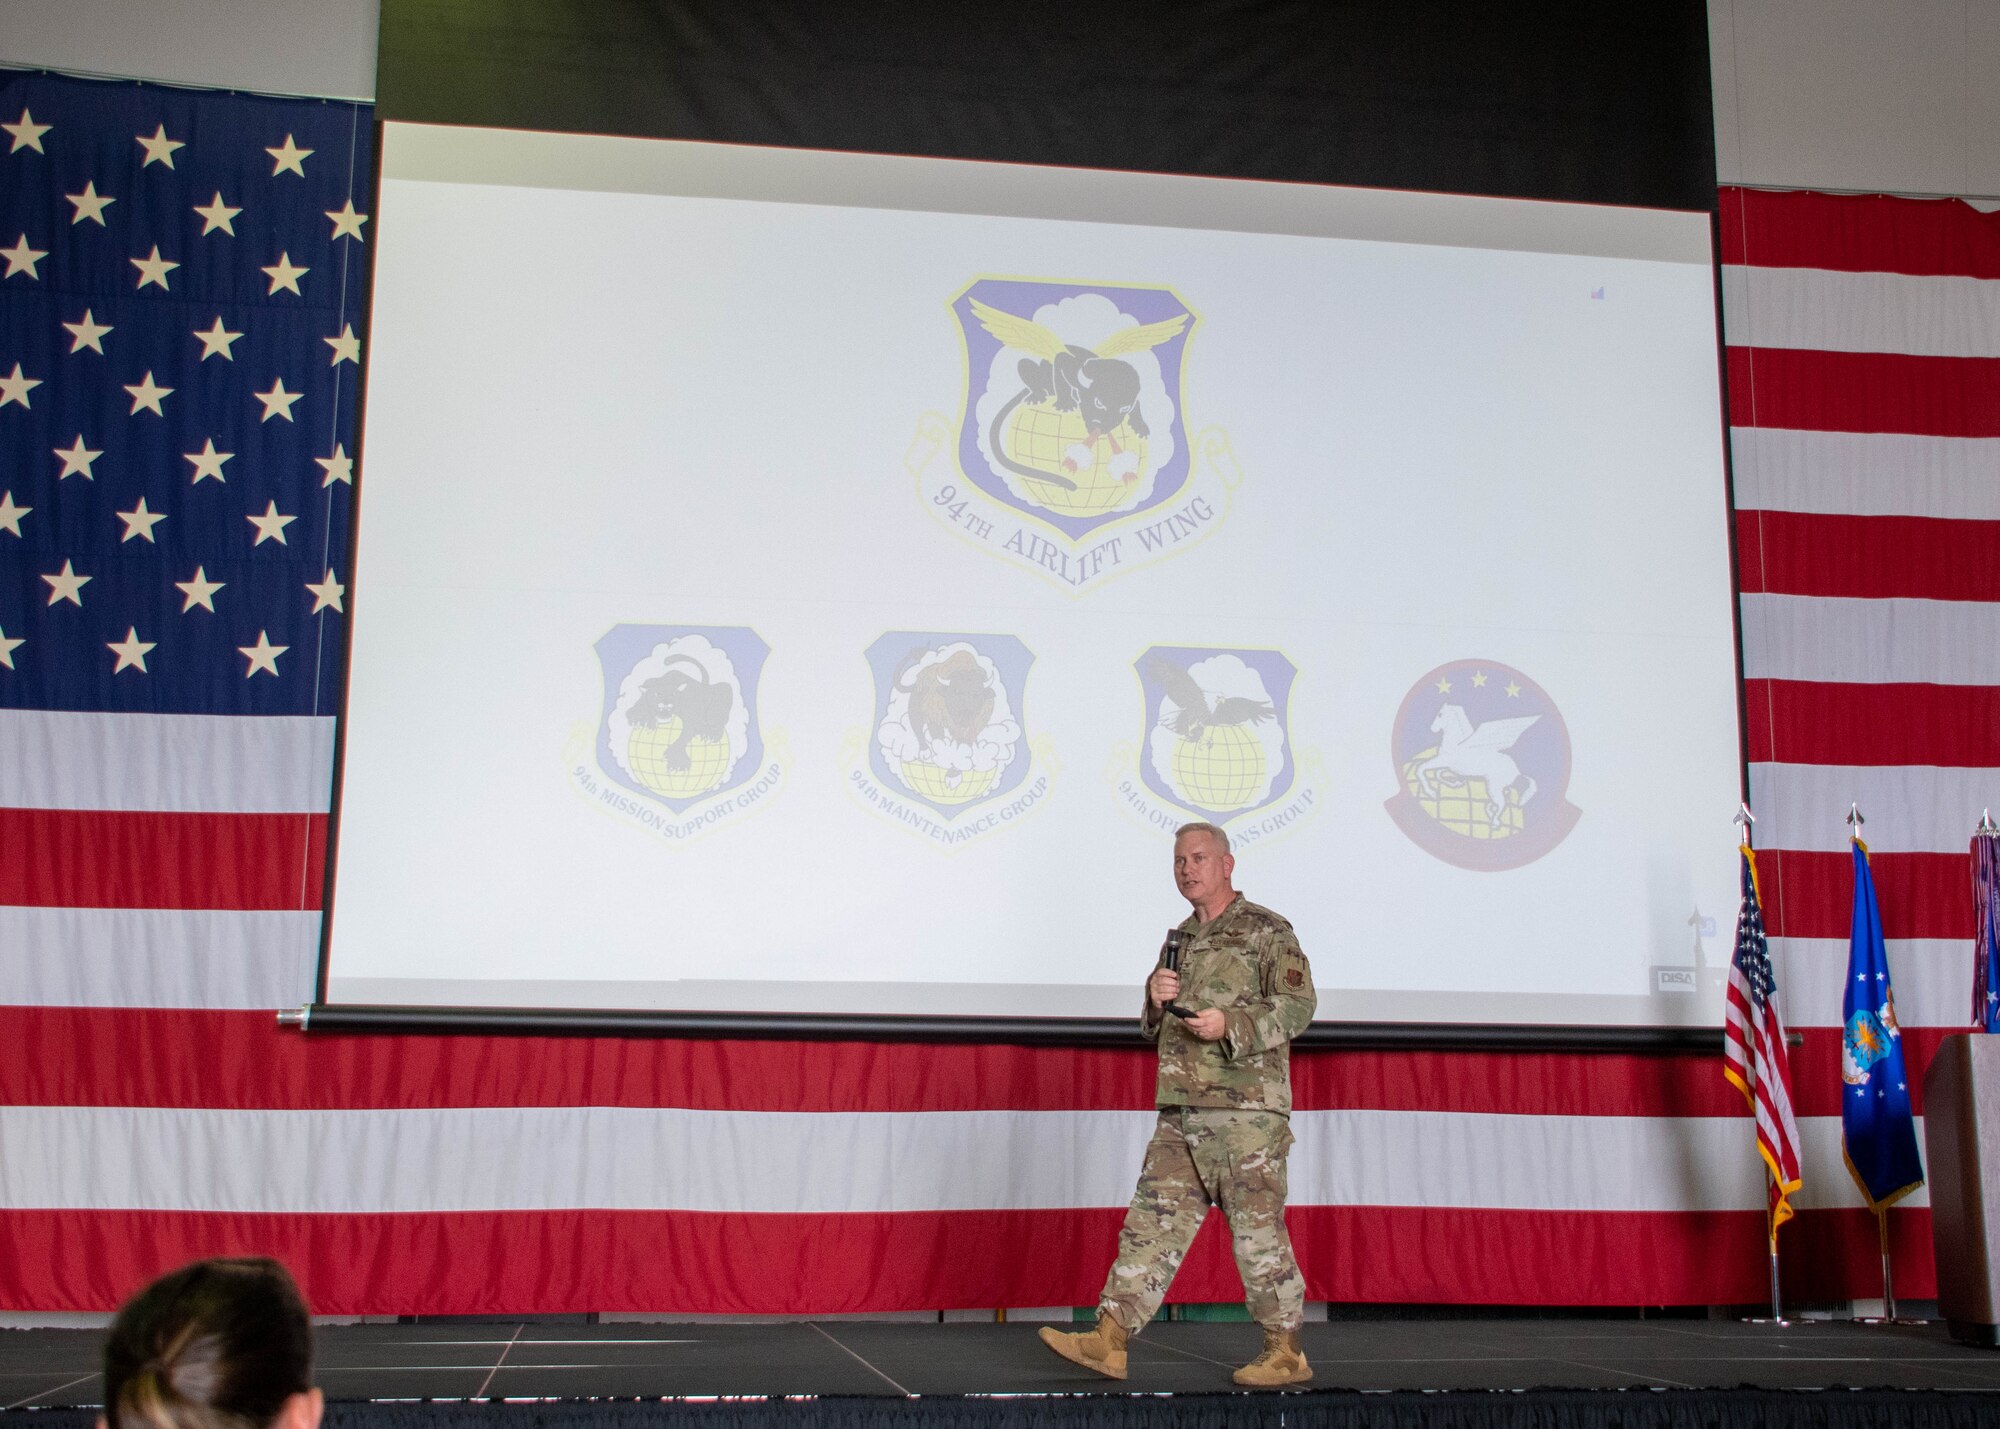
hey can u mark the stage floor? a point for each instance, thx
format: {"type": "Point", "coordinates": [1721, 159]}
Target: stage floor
{"type": "Point", "coordinates": [526, 1360]}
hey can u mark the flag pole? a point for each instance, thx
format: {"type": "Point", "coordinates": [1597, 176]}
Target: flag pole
{"type": "Point", "coordinates": [1888, 1284]}
{"type": "Point", "coordinates": [1854, 822]}
{"type": "Point", "coordinates": [1771, 1220]}
{"type": "Point", "coordinates": [1985, 973]}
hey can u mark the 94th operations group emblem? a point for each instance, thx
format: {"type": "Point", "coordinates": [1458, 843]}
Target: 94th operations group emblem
{"type": "Point", "coordinates": [1217, 744]}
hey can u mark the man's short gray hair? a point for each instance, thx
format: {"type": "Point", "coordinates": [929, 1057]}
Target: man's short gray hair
{"type": "Point", "coordinates": [1221, 839]}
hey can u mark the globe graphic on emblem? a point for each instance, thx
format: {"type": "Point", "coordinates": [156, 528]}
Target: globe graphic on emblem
{"type": "Point", "coordinates": [1465, 806]}
{"type": "Point", "coordinates": [1222, 769]}
{"type": "Point", "coordinates": [1106, 471]}
{"type": "Point", "coordinates": [650, 754]}
{"type": "Point", "coordinates": [946, 786]}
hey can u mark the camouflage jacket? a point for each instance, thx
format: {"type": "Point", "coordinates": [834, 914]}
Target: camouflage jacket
{"type": "Point", "coordinates": [1246, 962]}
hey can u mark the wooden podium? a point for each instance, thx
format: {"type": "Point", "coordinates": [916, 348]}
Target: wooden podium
{"type": "Point", "coordinates": [1962, 1145]}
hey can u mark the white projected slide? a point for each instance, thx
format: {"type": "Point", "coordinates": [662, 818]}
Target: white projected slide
{"type": "Point", "coordinates": [821, 583]}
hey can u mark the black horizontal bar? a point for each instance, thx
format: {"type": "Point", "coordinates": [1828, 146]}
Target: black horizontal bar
{"type": "Point", "coordinates": [1027, 1031]}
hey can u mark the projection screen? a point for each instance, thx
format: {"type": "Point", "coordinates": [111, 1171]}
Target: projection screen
{"type": "Point", "coordinates": [817, 582]}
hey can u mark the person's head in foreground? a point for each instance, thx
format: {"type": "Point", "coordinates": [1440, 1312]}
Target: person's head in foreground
{"type": "Point", "coordinates": [219, 1344]}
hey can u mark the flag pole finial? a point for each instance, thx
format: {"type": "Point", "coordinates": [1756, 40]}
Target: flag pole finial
{"type": "Point", "coordinates": [1986, 825]}
{"type": "Point", "coordinates": [1854, 819]}
{"type": "Point", "coordinates": [1744, 817]}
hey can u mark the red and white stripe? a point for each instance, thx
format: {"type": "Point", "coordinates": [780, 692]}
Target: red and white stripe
{"type": "Point", "coordinates": [150, 1110]}
{"type": "Point", "coordinates": [1864, 370]}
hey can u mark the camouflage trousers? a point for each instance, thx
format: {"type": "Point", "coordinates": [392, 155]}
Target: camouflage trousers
{"type": "Point", "coordinates": [1200, 1157]}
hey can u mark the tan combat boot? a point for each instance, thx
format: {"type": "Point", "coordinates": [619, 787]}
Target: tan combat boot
{"type": "Point", "coordinates": [1101, 1349]}
{"type": "Point", "coordinates": [1282, 1362]}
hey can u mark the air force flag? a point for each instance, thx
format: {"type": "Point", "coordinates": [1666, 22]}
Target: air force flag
{"type": "Point", "coordinates": [1877, 1131]}
{"type": "Point", "coordinates": [1986, 935]}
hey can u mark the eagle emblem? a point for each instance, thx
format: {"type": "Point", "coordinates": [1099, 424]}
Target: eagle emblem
{"type": "Point", "coordinates": [1216, 742]}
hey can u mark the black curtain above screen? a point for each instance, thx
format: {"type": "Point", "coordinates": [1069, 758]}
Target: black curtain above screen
{"type": "Point", "coordinates": [1606, 103]}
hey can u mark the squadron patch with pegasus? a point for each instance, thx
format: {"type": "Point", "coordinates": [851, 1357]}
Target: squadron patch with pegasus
{"type": "Point", "coordinates": [1482, 760]}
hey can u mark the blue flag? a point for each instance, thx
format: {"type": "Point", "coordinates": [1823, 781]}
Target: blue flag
{"type": "Point", "coordinates": [1878, 1132]}
{"type": "Point", "coordinates": [1986, 931]}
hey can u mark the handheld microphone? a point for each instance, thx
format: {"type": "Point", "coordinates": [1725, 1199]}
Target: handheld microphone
{"type": "Point", "coordinates": [1170, 958]}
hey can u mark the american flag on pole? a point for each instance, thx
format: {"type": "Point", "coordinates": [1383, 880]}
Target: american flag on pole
{"type": "Point", "coordinates": [1753, 1049]}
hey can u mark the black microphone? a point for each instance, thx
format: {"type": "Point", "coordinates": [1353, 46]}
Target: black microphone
{"type": "Point", "coordinates": [1170, 959]}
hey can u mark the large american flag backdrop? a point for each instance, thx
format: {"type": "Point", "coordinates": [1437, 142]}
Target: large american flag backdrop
{"type": "Point", "coordinates": [179, 321]}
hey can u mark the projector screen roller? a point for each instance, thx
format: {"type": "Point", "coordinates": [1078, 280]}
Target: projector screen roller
{"type": "Point", "coordinates": [810, 582]}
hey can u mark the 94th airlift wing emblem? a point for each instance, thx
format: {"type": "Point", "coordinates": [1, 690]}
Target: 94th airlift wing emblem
{"type": "Point", "coordinates": [1072, 454]}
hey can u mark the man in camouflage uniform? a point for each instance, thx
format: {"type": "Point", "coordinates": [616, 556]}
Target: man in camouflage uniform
{"type": "Point", "coordinates": [1225, 1099]}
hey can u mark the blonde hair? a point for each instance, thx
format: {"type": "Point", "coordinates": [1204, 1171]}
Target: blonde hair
{"type": "Point", "coordinates": [1221, 838]}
